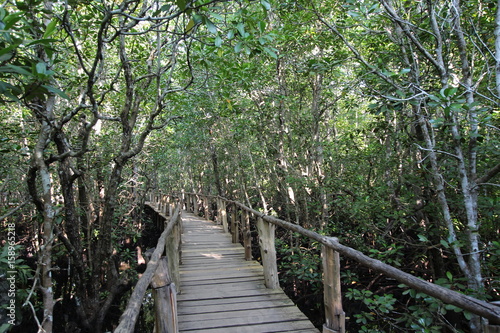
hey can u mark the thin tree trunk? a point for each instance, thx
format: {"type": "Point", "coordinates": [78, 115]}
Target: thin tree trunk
{"type": "Point", "coordinates": [48, 213]}
{"type": "Point", "coordinates": [497, 49]}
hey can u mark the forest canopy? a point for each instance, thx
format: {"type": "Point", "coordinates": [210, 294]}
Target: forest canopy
{"type": "Point", "coordinates": [374, 121]}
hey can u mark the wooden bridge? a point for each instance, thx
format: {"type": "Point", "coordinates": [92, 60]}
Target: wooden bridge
{"type": "Point", "coordinates": [211, 284]}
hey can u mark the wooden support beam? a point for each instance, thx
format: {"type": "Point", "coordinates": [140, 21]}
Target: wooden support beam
{"type": "Point", "coordinates": [165, 205]}
{"type": "Point", "coordinates": [491, 329]}
{"type": "Point", "coordinates": [171, 207]}
{"type": "Point", "coordinates": [493, 326]}
{"type": "Point", "coordinates": [334, 315]}
{"type": "Point", "coordinates": [268, 253]}
{"type": "Point", "coordinates": [186, 201]}
{"type": "Point", "coordinates": [247, 236]}
{"type": "Point", "coordinates": [183, 200]}
{"type": "Point", "coordinates": [165, 299]}
{"type": "Point", "coordinates": [172, 250]}
{"type": "Point", "coordinates": [218, 205]}
{"type": "Point", "coordinates": [235, 231]}
{"type": "Point", "coordinates": [223, 215]}
{"type": "Point", "coordinates": [205, 207]}
{"type": "Point", "coordinates": [195, 205]}
{"type": "Point", "coordinates": [192, 199]}
{"type": "Point", "coordinates": [158, 203]}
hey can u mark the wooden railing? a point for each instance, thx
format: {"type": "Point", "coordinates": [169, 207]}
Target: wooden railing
{"type": "Point", "coordinates": [162, 272]}
{"type": "Point", "coordinates": [335, 317]}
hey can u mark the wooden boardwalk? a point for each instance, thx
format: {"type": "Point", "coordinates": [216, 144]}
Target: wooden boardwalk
{"type": "Point", "coordinates": [221, 292]}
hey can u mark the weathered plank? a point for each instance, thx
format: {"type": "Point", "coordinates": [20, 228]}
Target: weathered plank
{"type": "Point", "coordinates": [225, 293]}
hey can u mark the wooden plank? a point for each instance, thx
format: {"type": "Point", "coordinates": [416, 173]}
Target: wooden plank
{"type": "Point", "coordinates": [218, 272]}
{"type": "Point", "coordinates": [264, 300]}
{"type": "Point", "coordinates": [224, 294]}
{"type": "Point", "coordinates": [223, 276]}
{"type": "Point", "coordinates": [227, 307]}
{"type": "Point", "coordinates": [215, 311]}
{"type": "Point", "coordinates": [263, 315]}
{"type": "Point", "coordinates": [248, 324]}
{"type": "Point", "coordinates": [268, 328]}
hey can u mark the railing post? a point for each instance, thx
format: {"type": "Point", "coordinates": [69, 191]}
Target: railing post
{"type": "Point", "coordinates": [205, 207]}
{"type": "Point", "coordinates": [159, 220]}
{"type": "Point", "coordinates": [165, 205]}
{"type": "Point", "coordinates": [195, 204]}
{"type": "Point", "coordinates": [183, 200]}
{"type": "Point", "coordinates": [492, 327]}
{"type": "Point", "coordinates": [268, 253]}
{"type": "Point", "coordinates": [165, 299]}
{"type": "Point", "coordinates": [170, 202]}
{"type": "Point", "coordinates": [247, 236]}
{"type": "Point", "coordinates": [161, 201]}
{"type": "Point", "coordinates": [223, 215]}
{"type": "Point", "coordinates": [172, 249]}
{"type": "Point", "coordinates": [234, 224]}
{"type": "Point", "coordinates": [218, 219]}
{"type": "Point", "coordinates": [171, 206]}
{"type": "Point", "coordinates": [335, 316]}
{"type": "Point", "coordinates": [189, 200]}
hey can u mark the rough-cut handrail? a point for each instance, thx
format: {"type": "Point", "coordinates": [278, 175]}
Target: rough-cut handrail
{"type": "Point", "coordinates": [129, 317]}
{"type": "Point", "coordinates": [465, 302]}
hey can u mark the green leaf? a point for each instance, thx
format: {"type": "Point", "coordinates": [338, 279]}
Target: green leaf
{"type": "Point", "coordinates": [9, 48]}
{"type": "Point", "coordinates": [189, 26]}
{"type": "Point", "coordinates": [181, 4]}
{"type": "Point", "coordinates": [165, 8]}
{"type": "Point", "coordinates": [211, 26]}
{"type": "Point", "coordinates": [270, 52]}
{"type": "Point", "coordinates": [5, 327]}
{"type": "Point", "coordinates": [265, 4]}
{"type": "Point", "coordinates": [51, 27]}
{"type": "Point", "coordinates": [445, 243]}
{"type": "Point", "coordinates": [41, 68]}
{"type": "Point", "coordinates": [449, 276]}
{"type": "Point", "coordinates": [198, 18]}
{"type": "Point", "coordinates": [6, 57]}
{"type": "Point", "coordinates": [11, 19]}
{"type": "Point", "coordinates": [435, 98]}
{"type": "Point", "coordinates": [217, 16]}
{"type": "Point", "coordinates": [238, 47]}
{"type": "Point", "coordinates": [447, 92]}
{"type": "Point", "coordinates": [218, 41]}
{"type": "Point", "coordinates": [56, 91]}
{"type": "Point", "coordinates": [422, 238]}
{"type": "Point", "coordinates": [241, 29]}
{"type": "Point", "coordinates": [45, 41]}
{"type": "Point", "coordinates": [14, 69]}
{"type": "Point", "coordinates": [262, 26]}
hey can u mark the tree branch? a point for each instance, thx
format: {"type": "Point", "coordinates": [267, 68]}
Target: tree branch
{"type": "Point", "coordinates": [12, 211]}
{"type": "Point", "coordinates": [490, 174]}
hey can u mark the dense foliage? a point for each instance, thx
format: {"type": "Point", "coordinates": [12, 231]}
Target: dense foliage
{"type": "Point", "coordinates": [373, 121]}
